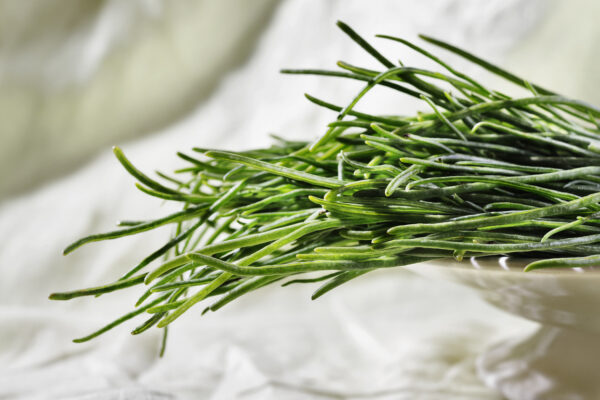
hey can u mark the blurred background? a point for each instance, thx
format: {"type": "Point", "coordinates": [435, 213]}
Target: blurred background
{"type": "Point", "coordinates": [156, 77]}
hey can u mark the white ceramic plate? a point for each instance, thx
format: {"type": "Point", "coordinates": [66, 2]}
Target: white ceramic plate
{"type": "Point", "coordinates": [562, 359]}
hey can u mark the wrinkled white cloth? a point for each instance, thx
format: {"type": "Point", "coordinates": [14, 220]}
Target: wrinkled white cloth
{"type": "Point", "coordinates": [75, 76]}
{"type": "Point", "coordinates": [388, 335]}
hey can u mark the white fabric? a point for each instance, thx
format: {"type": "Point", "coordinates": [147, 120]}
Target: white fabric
{"type": "Point", "coordinates": [77, 75]}
{"type": "Point", "coordinates": [388, 335]}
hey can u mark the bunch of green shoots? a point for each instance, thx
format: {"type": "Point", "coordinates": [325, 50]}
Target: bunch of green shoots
{"type": "Point", "coordinates": [478, 173]}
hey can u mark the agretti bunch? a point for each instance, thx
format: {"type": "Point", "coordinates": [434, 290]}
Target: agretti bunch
{"type": "Point", "coordinates": [476, 173]}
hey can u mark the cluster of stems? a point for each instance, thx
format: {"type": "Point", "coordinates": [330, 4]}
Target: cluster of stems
{"type": "Point", "coordinates": [476, 173]}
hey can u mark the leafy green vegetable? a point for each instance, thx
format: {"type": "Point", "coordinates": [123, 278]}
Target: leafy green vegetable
{"type": "Point", "coordinates": [479, 173]}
